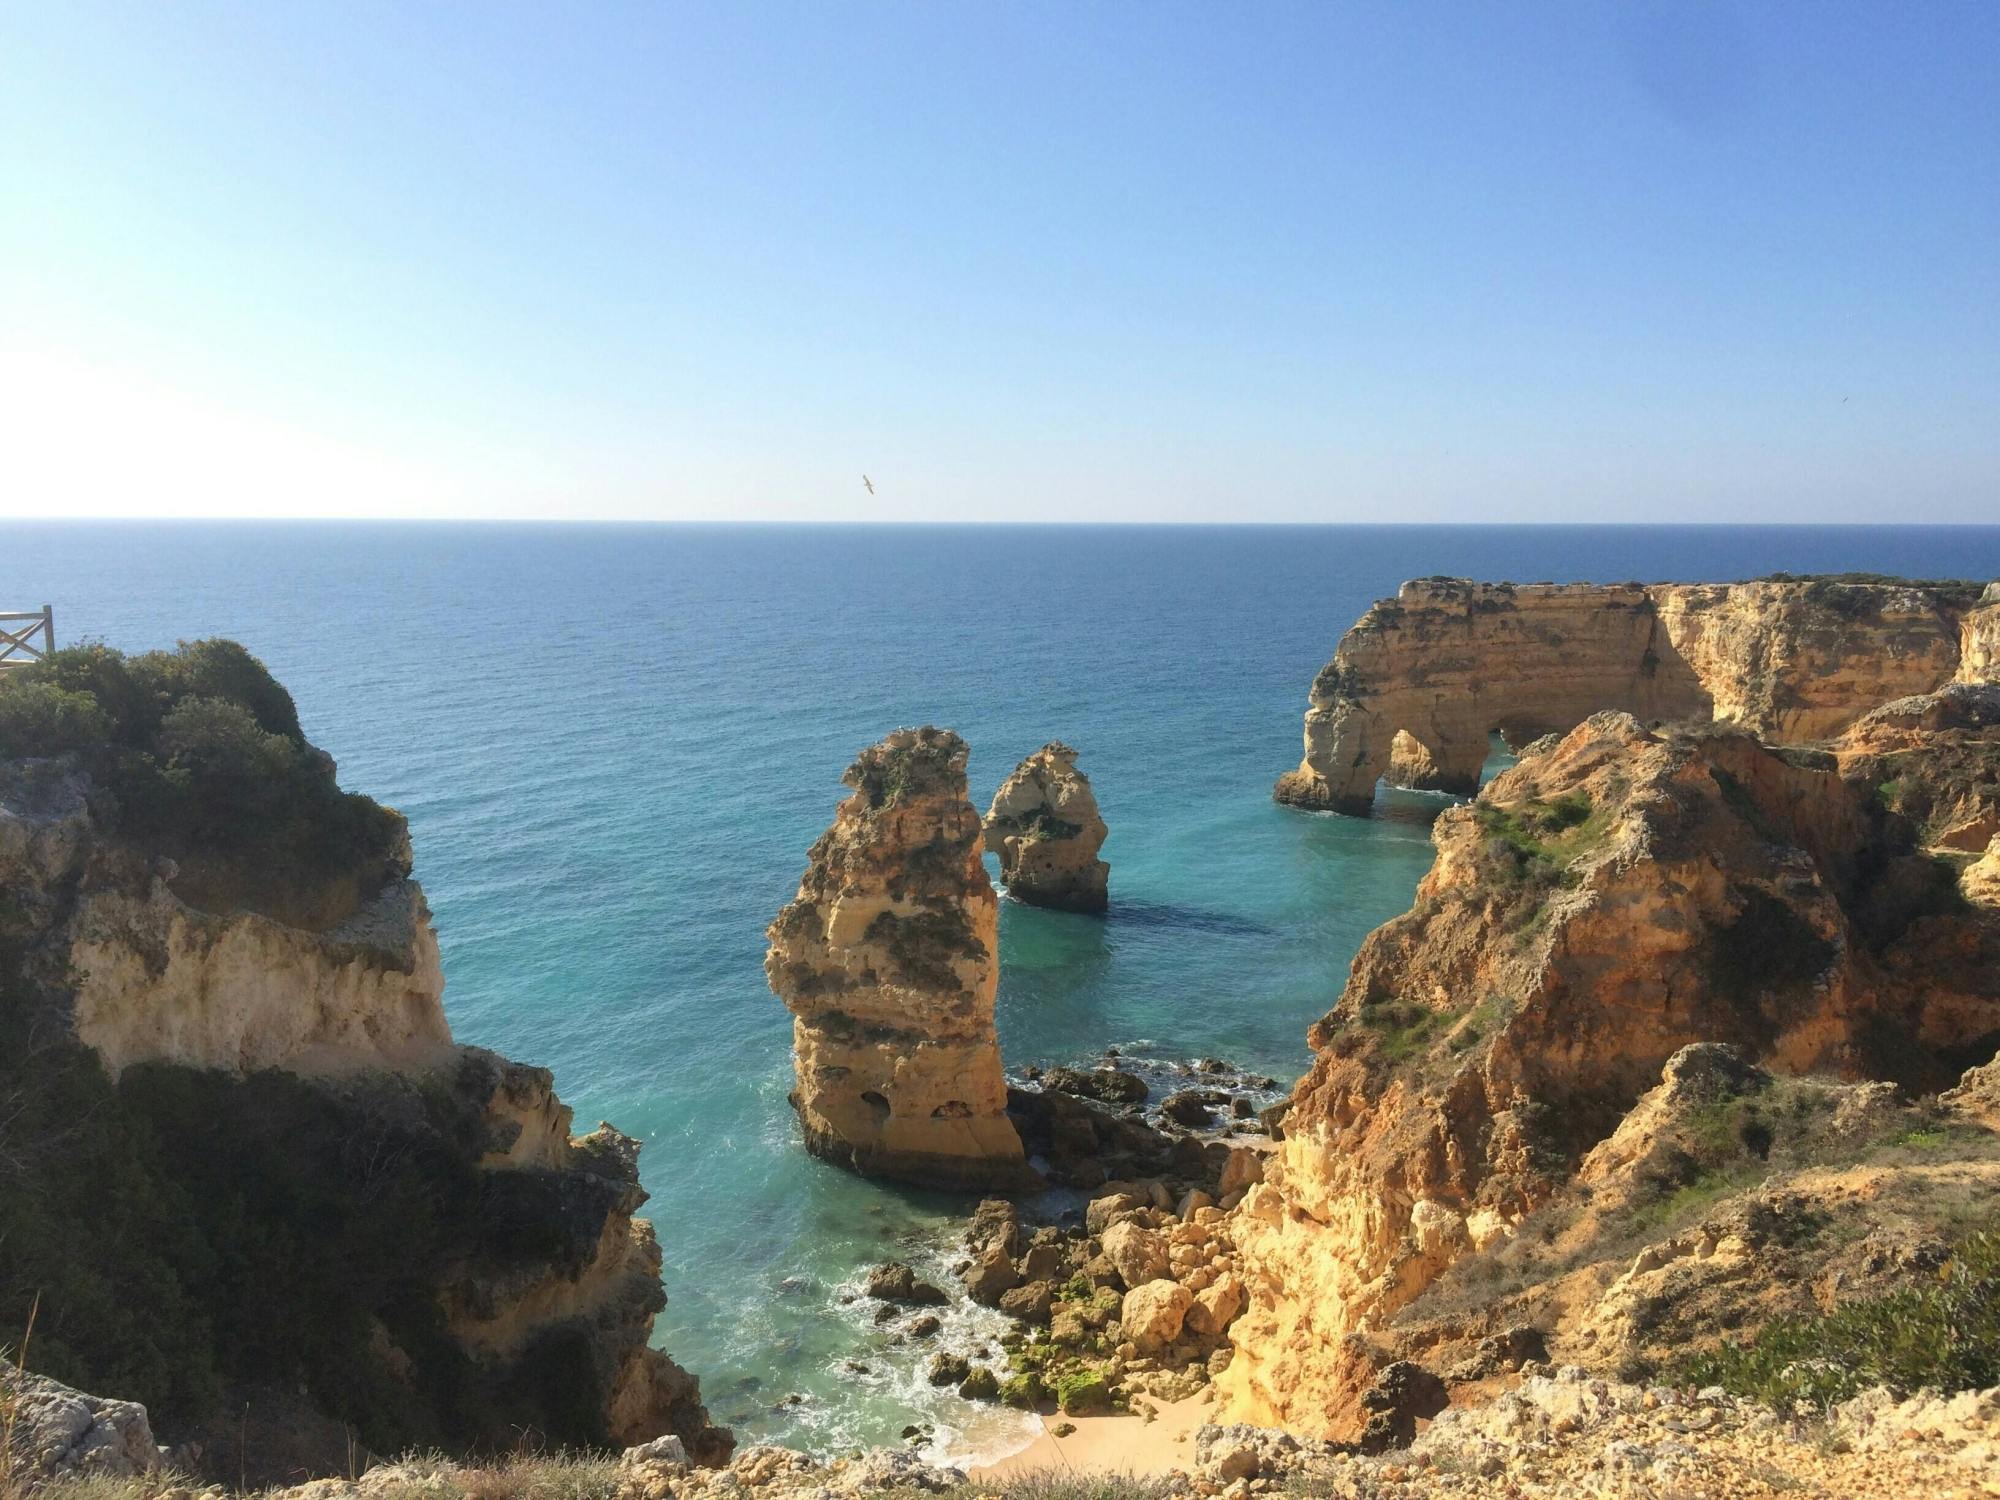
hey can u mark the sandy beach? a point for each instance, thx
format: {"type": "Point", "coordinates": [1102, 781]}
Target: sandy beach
{"type": "Point", "coordinates": [1116, 1444]}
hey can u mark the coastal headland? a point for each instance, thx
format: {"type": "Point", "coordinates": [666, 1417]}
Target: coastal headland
{"type": "Point", "coordinates": [1657, 1142]}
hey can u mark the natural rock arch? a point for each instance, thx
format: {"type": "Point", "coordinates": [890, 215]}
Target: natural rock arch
{"type": "Point", "coordinates": [1423, 680]}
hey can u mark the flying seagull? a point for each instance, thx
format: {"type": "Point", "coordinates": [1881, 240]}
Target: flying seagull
{"type": "Point", "coordinates": [869, 482]}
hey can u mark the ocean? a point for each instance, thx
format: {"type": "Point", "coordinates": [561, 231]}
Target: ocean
{"type": "Point", "coordinates": [614, 745]}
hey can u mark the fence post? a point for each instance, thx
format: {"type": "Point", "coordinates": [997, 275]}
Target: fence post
{"type": "Point", "coordinates": [48, 628]}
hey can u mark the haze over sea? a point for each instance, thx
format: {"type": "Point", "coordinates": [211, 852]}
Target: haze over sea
{"type": "Point", "coordinates": [614, 745]}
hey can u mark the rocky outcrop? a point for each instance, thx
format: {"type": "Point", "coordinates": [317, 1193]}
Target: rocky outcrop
{"type": "Point", "coordinates": [888, 960]}
{"type": "Point", "coordinates": [1934, 759]}
{"type": "Point", "coordinates": [1979, 639]}
{"type": "Point", "coordinates": [154, 977]}
{"type": "Point", "coordinates": [1980, 882]}
{"type": "Point", "coordinates": [592, 1284]}
{"type": "Point", "coordinates": [1563, 1434]}
{"type": "Point", "coordinates": [1136, 1300]}
{"type": "Point", "coordinates": [1045, 828]}
{"type": "Point", "coordinates": [1423, 680]}
{"type": "Point", "coordinates": [272, 1026]}
{"type": "Point", "coordinates": [61, 1434]}
{"type": "Point", "coordinates": [1612, 899]}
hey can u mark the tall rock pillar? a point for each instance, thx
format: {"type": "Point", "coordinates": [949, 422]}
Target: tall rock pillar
{"type": "Point", "coordinates": [888, 958]}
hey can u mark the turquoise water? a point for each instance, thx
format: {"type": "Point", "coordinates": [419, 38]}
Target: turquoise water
{"type": "Point", "coordinates": [615, 744]}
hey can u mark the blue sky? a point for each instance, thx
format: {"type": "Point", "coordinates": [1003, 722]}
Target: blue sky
{"type": "Point", "coordinates": [1228, 261]}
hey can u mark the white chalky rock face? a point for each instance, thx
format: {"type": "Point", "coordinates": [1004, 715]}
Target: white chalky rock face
{"type": "Point", "coordinates": [888, 960]}
{"type": "Point", "coordinates": [59, 1433]}
{"type": "Point", "coordinates": [154, 978]}
{"type": "Point", "coordinates": [159, 981]}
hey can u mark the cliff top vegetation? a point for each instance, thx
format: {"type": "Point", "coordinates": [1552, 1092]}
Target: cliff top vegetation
{"type": "Point", "coordinates": [202, 756]}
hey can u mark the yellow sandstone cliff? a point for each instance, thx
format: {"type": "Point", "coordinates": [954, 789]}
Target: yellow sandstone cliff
{"type": "Point", "coordinates": [1420, 683]}
{"type": "Point", "coordinates": [1618, 896]}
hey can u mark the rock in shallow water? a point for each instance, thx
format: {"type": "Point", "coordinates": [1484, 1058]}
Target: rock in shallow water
{"type": "Point", "coordinates": [895, 1282]}
{"type": "Point", "coordinates": [1046, 830]}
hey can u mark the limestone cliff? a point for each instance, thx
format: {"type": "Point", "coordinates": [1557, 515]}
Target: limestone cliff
{"type": "Point", "coordinates": [1614, 898]}
{"type": "Point", "coordinates": [888, 960]}
{"type": "Point", "coordinates": [1045, 828]}
{"type": "Point", "coordinates": [1934, 759]}
{"type": "Point", "coordinates": [1422, 680]}
{"type": "Point", "coordinates": [246, 1010]}
{"type": "Point", "coordinates": [1980, 882]}
{"type": "Point", "coordinates": [1979, 639]}
{"type": "Point", "coordinates": [156, 978]}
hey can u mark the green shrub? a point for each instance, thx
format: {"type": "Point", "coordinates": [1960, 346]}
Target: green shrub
{"type": "Point", "coordinates": [1483, 1019]}
{"type": "Point", "coordinates": [41, 718]}
{"type": "Point", "coordinates": [130, 701]}
{"type": "Point", "coordinates": [1687, 1200]}
{"type": "Point", "coordinates": [1402, 1030]}
{"type": "Point", "coordinates": [201, 751]}
{"type": "Point", "coordinates": [1042, 823]}
{"type": "Point", "coordinates": [1534, 843]}
{"type": "Point", "coordinates": [235, 775]}
{"type": "Point", "coordinates": [1944, 1334]}
{"type": "Point", "coordinates": [1923, 1138]}
{"type": "Point", "coordinates": [222, 669]}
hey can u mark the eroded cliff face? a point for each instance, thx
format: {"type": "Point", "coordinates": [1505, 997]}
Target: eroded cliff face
{"type": "Point", "coordinates": [318, 1059]}
{"type": "Point", "coordinates": [152, 977]}
{"type": "Point", "coordinates": [1422, 680]}
{"type": "Point", "coordinates": [596, 1294]}
{"type": "Point", "coordinates": [1979, 639]}
{"type": "Point", "coordinates": [888, 960]}
{"type": "Point", "coordinates": [1616, 897]}
{"type": "Point", "coordinates": [1934, 759]}
{"type": "Point", "coordinates": [1045, 828]}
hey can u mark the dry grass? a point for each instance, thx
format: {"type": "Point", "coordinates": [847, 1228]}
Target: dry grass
{"type": "Point", "coordinates": [1067, 1484]}
{"type": "Point", "coordinates": [584, 1476]}
{"type": "Point", "coordinates": [558, 1476]}
{"type": "Point", "coordinates": [13, 1478]}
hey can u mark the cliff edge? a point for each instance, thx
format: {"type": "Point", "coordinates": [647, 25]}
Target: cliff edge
{"type": "Point", "coordinates": [1421, 681]}
{"type": "Point", "coordinates": [316, 1219]}
{"type": "Point", "coordinates": [1640, 1069]}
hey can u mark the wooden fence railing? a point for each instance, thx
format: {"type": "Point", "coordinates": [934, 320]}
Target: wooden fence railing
{"type": "Point", "coordinates": [17, 636]}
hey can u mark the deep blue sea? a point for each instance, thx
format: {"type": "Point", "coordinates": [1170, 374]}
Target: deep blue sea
{"type": "Point", "coordinates": [615, 743]}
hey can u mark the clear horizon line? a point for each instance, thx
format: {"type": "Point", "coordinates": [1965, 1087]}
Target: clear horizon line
{"type": "Point", "coordinates": [774, 523]}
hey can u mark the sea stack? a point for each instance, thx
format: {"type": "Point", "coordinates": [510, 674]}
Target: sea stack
{"type": "Point", "coordinates": [888, 960]}
{"type": "Point", "coordinates": [1045, 828]}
